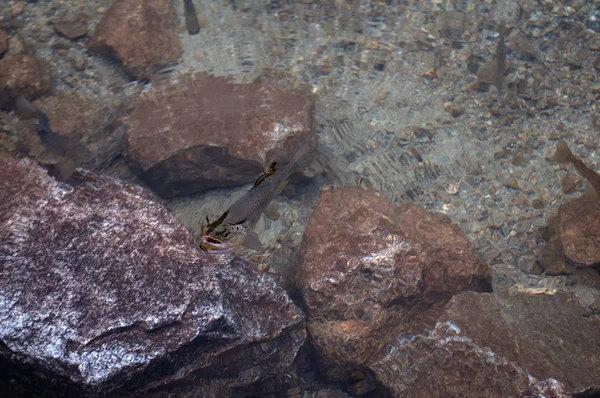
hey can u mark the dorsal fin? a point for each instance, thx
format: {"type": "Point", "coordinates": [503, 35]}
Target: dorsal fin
{"type": "Point", "coordinates": [211, 227]}
{"type": "Point", "coordinates": [272, 169]}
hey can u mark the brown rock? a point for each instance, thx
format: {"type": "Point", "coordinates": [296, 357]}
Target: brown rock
{"type": "Point", "coordinates": [3, 42]}
{"type": "Point", "coordinates": [69, 114]}
{"type": "Point", "coordinates": [576, 230]}
{"type": "Point", "coordinates": [487, 346]}
{"type": "Point", "coordinates": [369, 270]}
{"type": "Point", "coordinates": [23, 75]}
{"type": "Point", "coordinates": [549, 388]}
{"type": "Point", "coordinates": [207, 133]}
{"type": "Point", "coordinates": [455, 110]}
{"type": "Point", "coordinates": [17, 45]}
{"type": "Point", "coordinates": [103, 295]}
{"type": "Point", "coordinates": [94, 123]}
{"type": "Point", "coordinates": [139, 33]}
{"type": "Point", "coordinates": [72, 28]}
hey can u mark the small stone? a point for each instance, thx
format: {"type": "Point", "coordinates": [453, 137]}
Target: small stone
{"type": "Point", "coordinates": [430, 74]}
{"type": "Point", "coordinates": [17, 8]}
{"type": "Point", "coordinates": [538, 204]}
{"type": "Point", "coordinates": [455, 110]}
{"type": "Point", "coordinates": [73, 28]}
{"type": "Point", "coordinates": [23, 75]}
{"type": "Point", "coordinates": [594, 44]}
{"type": "Point", "coordinates": [18, 46]}
{"type": "Point", "coordinates": [263, 267]}
{"type": "Point", "coordinates": [512, 183]}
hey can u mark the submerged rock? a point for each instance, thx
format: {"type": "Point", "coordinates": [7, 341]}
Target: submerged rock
{"type": "Point", "coordinates": [23, 75]}
{"type": "Point", "coordinates": [575, 231]}
{"type": "Point", "coordinates": [207, 133]}
{"type": "Point", "coordinates": [487, 346]}
{"type": "Point", "coordinates": [139, 33]}
{"type": "Point", "coordinates": [3, 42]}
{"type": "Point", "coordinates": [550, 388]}
{"type": "Point", "coordinates": [101, 293]}
{"type": "Point", "coordinates": [370, 270]}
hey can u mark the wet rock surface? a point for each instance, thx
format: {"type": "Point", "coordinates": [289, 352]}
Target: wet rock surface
{"type": "Point", "coordinates": [512, 338]}
{"type": "Point", "coordinates": [207, 133]}
{"type": "Point", "coordinates": [550, 388]}
{"type": "Point", "coordinates": [139, 33]}
{"type": "Point", "coordinates": [370, 270]}
{"type": "Point", "coordinates": [484, 345]}
{"type": "Point", "coordinates": [23, 75]}
{"type": "Point", "coordinates": [3, 42]}
{"type": "Point", "coordinates": [575, 231]}
{"type": "Point", "coordinates": [102, 294]}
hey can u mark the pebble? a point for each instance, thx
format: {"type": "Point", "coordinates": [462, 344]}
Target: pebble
{"type": "Point", "coordinates": [17, 9]}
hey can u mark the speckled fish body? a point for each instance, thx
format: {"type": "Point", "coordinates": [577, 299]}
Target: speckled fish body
{"type": "Point", "coordinates": [236, 224]}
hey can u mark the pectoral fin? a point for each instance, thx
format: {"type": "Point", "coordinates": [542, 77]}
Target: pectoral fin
{"type": "Point", "coordinates": [253, 242]}
{"type": "Point", "coordinates": [272, 211]}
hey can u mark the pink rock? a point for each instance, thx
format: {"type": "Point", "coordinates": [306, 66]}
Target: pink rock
{"type": "Point", "coordinates": [206, 133]}
{"type": "Point", "coordinates": [103, 294]}
{"type": "Point", "coordinates": [139, 33]}
{"type": "Point", "coordinates": [485, 345]}
{"type": "Point", "coordinates": [549, 388]}
{"type": "Point", "coordinates": [370, 269]}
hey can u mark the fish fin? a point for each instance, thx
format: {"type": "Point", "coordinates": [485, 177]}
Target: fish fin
{"type": "Point", "coordinates": [280, 187]}
{"type": "Point", "coordinates": [63, 169]}
{"type": "Point", "coordinates": [272, 211]}
{"type": "Point", "coordinates": [563, 153]}
{"type": "Point", "coordinates": [253, 242]}
{"type": "Point", "coordinates": [25, 109]}
{"type": "Point", "coordinates": [53, 141]}
{"type": "Point", "coordinates": [238, 250]}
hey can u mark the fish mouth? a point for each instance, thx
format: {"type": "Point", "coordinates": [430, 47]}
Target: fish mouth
{"type": "Point", "coordinates": [212, 245]}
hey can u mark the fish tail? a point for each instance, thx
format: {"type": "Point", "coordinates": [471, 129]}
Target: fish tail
{"type": "Point", "coordinates": [563, 153]}
{"type": "Point", "coordinates": [26, 110]}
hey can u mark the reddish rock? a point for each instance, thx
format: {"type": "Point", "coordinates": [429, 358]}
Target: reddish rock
{"type": "Point", "coordinates": [139, 33]}
{"type": "Point", "coordinates": [69, 115]}
{"type": "Point", "coordinates": [103, 295]}
{"type": "Point", "coordinates": [207, 133]}
{"type": "Point", "coordinates": [488, 346]}
{"type": "Point", "coordinates": [3, 42]}
{"type": "Point", "coordinates": [547, 335]}
{"type": "Point", "coordinates": [550, 388]}
{"type": "Point", "coordinates": [442, 363]}
{"type": "Point", "coordinates": [23, 75]}
{"type": "Point", "coordinates": [575, 231]}
{"type": "Point", "coordinates": [370, 270]}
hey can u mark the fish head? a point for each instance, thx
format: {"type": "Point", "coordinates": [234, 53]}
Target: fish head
{"type": "Point", "coordinates": [215, 246]}
{"type": "Point", "coordinates": [223, 239]}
